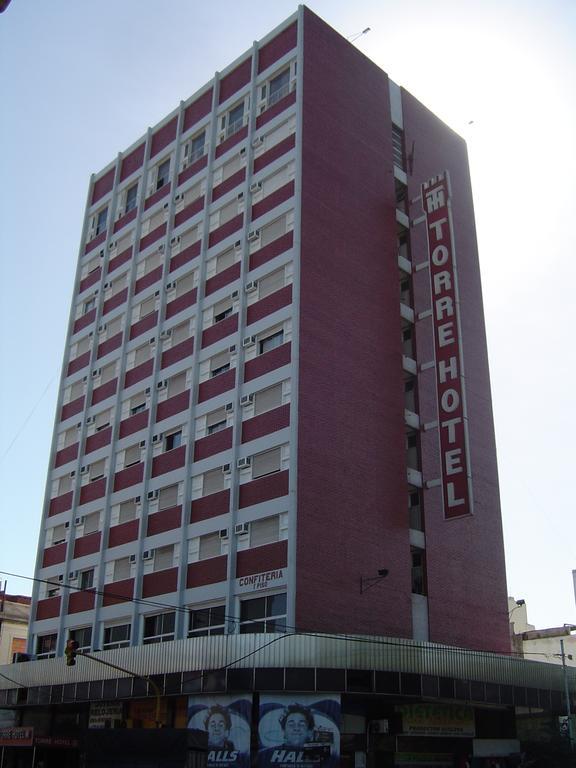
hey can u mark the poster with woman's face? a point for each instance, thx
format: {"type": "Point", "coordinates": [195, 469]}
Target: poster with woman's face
{"type": "Point", "coordinates": [226, 720]}
{"type": "Point", "coordinates": [301, 731]}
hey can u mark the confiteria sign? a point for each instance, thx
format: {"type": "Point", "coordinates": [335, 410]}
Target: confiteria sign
{"type": "Point", "coordinates": [453, 433]}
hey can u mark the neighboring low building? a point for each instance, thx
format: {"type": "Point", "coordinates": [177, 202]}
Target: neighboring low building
{"type": "Point", "coordinates": [540, 644]}
{"type": "Point", "coordinates": [14, 617]}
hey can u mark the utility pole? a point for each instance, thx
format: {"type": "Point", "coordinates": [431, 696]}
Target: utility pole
{"type": "Point", "coordinates": [567, 694]}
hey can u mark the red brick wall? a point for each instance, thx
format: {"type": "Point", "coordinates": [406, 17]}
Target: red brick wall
{"type": "Point", "coordinates": [465, 556]}
{"type": "Point", "coordinates": [351, 480]}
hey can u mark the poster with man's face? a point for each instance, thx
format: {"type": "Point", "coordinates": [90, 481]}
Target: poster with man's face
{"type": "Point", "coordinates": [301, 731]}
{"type": "Point", "coordinates": [226, 720]}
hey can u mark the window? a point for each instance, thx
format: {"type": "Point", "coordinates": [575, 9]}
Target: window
{"type": "Point", "coordinates": [271, 283]}
{"type": "Point", "coordinates": [76, 390]}
{"type": "Point", "coordinates": [83, 637]}
{"type": "Point", "coordinates": [89, 305]}
{"type": "Point", "coordinates": [275, 339]}
{"type": "Point", "coordinates": [101, 218]}
{"type": "Point", "coordinates": [86, 579]}
{"type": "Point", "coordinates": [216, 421]}
{"type": "Point", "coordinates": [58, 534]}
{"type": "Point", "coordinates": [223, 309]}
{"type": "Point", "coordinates": [46, 646]}
{"type": "Point", "coordinates": [210, 546]}
{"type": "Point", "coordinates": [83, 346]}
{"type": "Point", "coordinates": [53, 587]}
{"type": "Point", "coordinates": [415, 511]}
{"type": "Point", "coordinates": [163, 557]}
{"type": "Point", "coordinates": [408, 342]}
{"type": "Point", "coordinates": [225, 260]}
{"type": "Point", "coordinates": [219, 364]}
{"type": "Point", "coordinates": [117, 636]}
{"type": "Point", "coordinates": [180, 333]}
{"type": "Point", "coordinates": [127, 511]}
{"type": "Point", "coordinates": [173, 440]}
{"type": "Point", "coordinates": [64, 484]}
{"type": "Point", "coordinates": [131, 198]}
{"type": "Point", "coordinates": [234, 120]}
{"type": "Point", "coordinates": [147, 306]}
{"type": "Point", "coordinates": [412, 450]}
{"type": "Point", "coordinates": [194, 149]}
{"type": "Point", "coordinates": [398, 146]}
{"type": "Point", "coordinates": [266, 463]}
{"type": "Point", "coordinates": [97, 470]}
{"type": "Point", "coordinates": [263, 614]}
{"type": "Point", "coordinates": [185, 284]}
{"type": "Point", "coordinates": [102, 419]}
{"type": "Point", "coordinates": [107, 373]}
{"type": "Point", "coordinates": [163, 174]}
{"type": "Point", "coordinates": [265, 531]}
{"type": "Point", "coordinates": [91, 523]}
{"type": "Point", "coordinates": [418, 571]}
{"type": "Point", "coordinates": [207, 621]}
{"type": "Point", "coordinates": [132, 455]}
{"type": "Point", "coordinates": [212, 481]}
{"type": "Point", "coordinates": [268, 399]}
{"type": "Point", "coordinates": [177, 384]}
{"type": "Point", "coordinates": [159, 628]}
{"type": "Point", "coordinates": [272, 231]}
{"type": "Point", "coordinates": [113, 327]}
{"type": "Point", "coordinates": [121, 569]}
{"type": "Point", "coordinates": [168, 497]}
{"type": "Point", "coordinates": [279, 87]}
{"type": "Point", "coordinates": [410, 395]}
{"type": "Point", "coordinates": [137, 403]}
{"type": "Point", "coordinates": [70, 437]}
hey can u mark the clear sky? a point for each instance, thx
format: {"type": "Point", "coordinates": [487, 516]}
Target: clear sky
{"type": "Point", "coordinates": [80, 81]}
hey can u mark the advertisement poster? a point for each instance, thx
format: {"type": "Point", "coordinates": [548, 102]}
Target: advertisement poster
{"type": "Point", "coordinates": [299, 730]}
{"type": "Point", "coordinates": [226, 719]}
{"type": "Point", "coordinates": [437, 720]}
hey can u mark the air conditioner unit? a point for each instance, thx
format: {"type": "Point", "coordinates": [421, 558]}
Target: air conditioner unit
{"type": "Point", "coordinates": [166, 206]}
{"type": "Point", "coordinates": [61, 577]}
{"type": "Point", "coordinates": [157, 438]}
{"type": "Point", "coordinates": [137, 500]}
{"type": "Point", "coordinates": [240, 196]}
{"type": "Point", "coordinates": [147, 391]}
{"type": "Point", "coordinates": [107, 285]}
{"type": "Point", "coordinates": [148, 554]}
{"type": "Point", "coordinates": [242, 151]}
{"type": "Point", "coordinates": [157, 293]}
{"type": "Point", "coordinates": [171, 286]}
{"type": "Point", "coordinates": [175, 239]}
{"type": "Point", "coordinates": [378, 726]}
{"type": "Point", "coordinates": [152, 341]}
{"type": "Point", "coordinates": [112, 245]}
{"type": "Point", "coordinates": [257, 141]}
{"type": "Point", "coordinates": [132, 558]}
{"type": "Point", "coordinates": [232, 349]}
{"type": "Point", "coordinates": [79, 520]}
{"type": "Point", "coordinates": [241, 528]}
{"type": "Point", "coordinates": [161, 384]}
{"type": "Point", "coordinates": [229, 407]}
{"type": "Point", "coordinates": [256, 186]}
{"type": "Point", "coordinates": [95, 372]}
{"type": "Point", "coordinates": [251, 286]}
{"type": "Point", "coordinates": [73, 474]}
{"type": "Point", "coordinates": [178, 197]}
{"type": "Point", "coordinates": [249, 341]}
{"type": "Point", "coordinates": [142, 443]}
{"type": "Point", "coordinates": [161, 248]}
{"type": "Point", "coordinates": [73, 575]}
{"type": "Point", "coordinates": [83, 470]}
{"type": "Point", "coordinates": [102, 328]}
{"type": "Point", "coordinates": [101, 253]}
{"type": "Point", "coordinates": [225, 469]}
{"type": "Point", "coordinates": [90, 419]}
{"type": "Point", "coordinates": [152, 495]}
{"type": "Point", "coordinates": [165, 335]}
{"type": "Point", "coordinates": [224, 533]}
{"type": "Point", "coordinates": [238, 245]}
{"type": "Point", "coordinates": [253, 235]}
{"type": "Point", "coordinates": [244, 462]}
{"type": "Point", "coordinates": [247, 400]}
{"type": "Point", "coordinates": [67, 524]}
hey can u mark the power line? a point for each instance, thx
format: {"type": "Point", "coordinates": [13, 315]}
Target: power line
{"type": "Point", "coordinates": [27, 419]}
{"type": "Point", "coordinates": [293, 629]}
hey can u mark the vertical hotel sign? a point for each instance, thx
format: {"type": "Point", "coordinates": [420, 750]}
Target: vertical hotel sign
{"type": "Point", "coordinates": [452, 423]}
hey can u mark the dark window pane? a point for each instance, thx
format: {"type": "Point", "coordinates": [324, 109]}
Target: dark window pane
{"type": "Point", "coordinates": [253, 609]}
{"type": "Point", "coordinates": [276, 605]}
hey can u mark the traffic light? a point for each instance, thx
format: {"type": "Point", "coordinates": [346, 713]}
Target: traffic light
{"type": "Point", "coordinates": [70, 652]}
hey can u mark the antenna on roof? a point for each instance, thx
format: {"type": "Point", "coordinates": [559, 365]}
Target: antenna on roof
{"type": "Point", "coordinates": [356, 35]}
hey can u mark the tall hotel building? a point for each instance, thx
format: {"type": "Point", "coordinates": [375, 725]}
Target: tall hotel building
{"type": "Point", "coordinates": [253, 423]}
